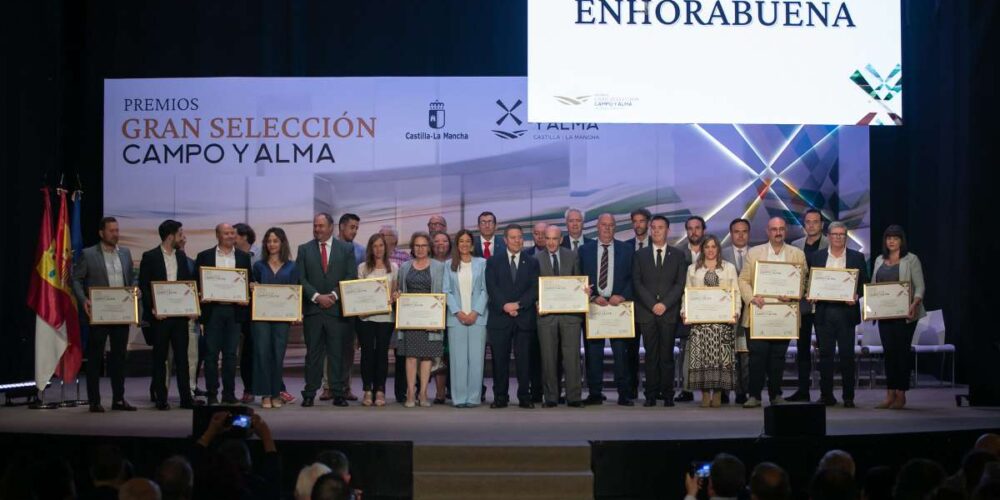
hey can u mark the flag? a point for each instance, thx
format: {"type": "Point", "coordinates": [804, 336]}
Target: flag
{"type": "Point", "coordinates": [57, 328]}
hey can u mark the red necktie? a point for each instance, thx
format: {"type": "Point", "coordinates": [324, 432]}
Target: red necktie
{"type": "Point", "coordinates": [486, 249]}
{"type": "Point", "coordinates": [324, 258]}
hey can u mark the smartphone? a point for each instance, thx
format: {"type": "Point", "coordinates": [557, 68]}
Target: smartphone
{"type": "Point", "coordinates": [241, 421]}
{"type": "Point", "coordinates": [701, 470]}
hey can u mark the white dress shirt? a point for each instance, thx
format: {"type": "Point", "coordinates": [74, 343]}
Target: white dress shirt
{"type": "Point", "coordinates": [113, 266]}
{"type": "Point", "coordinates": [645, 242]}
{"type": "Point", "coordinates": [329, 250]}
{"type": "Point", "coordinates": [606, 291]}
{"type": "Point", "coordinates": [223, 259]}
{"type": "Point", "coordinates": [465, 285]}
{"type": "Point", "coordinates": [491, 241]}
{"type": "Point", "coordinates": [834, 262]}
{"type": "Point", "coordinates": [775, 257]}
{"type": "Point", "coordinates": [170, 261]}
{"type": "Point", "coordinates": [740, 254]}
{"type": "Point", "coordinates": [575, 243]}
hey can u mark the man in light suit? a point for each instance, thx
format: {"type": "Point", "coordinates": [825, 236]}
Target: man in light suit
{"type": "Point", "coordinates": [640, 228]}
{"type": "Point", "coordinates": [323, 263]}
{"type": "Point", "coordinates": [836, 321]}
{"type": "Point", "coordinates": [608, 264]}
{"type": "Point", "coordinates": [538, 238]}
{"type": "Point", "coordinates": [739, 235]}
{"type": "Point", "coordinates": [105, 264]}
{"type": "Point", "coordinates": [512, 286]}
{"type": "Point", "coordinates": [559, 334]}
{"type": "Point", "coordinates": [574, 238]}
{"type": "Point", "coordinates": [767, 357]}
{"type": "Point", "coordinates": [812, 242]}
{"type": "Point", "coordinates": [487, 245]}
{"type": "Point", "coordinates": [658, 278]}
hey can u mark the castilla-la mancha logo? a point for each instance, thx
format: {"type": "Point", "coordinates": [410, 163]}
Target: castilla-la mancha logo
{"type": "Point", "coordinates": [435, 115]}
{"type": "Point", "coordinates": [508, 112]}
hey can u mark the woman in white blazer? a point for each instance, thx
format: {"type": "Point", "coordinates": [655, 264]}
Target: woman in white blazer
{"type": "Point", "coordinates": [897, 264]}
{"type": "Point", "coordinates": [465, 286]}
{"type": "Point", "coordinates": [712, 347]}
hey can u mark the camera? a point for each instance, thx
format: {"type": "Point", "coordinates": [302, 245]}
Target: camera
{"type": "Point", "coordinates": [701, 470]}
{"type": "Point", "coordinates": [240, 421]}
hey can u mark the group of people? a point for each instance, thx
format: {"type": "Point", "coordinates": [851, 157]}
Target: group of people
{"type": "Point", "coordinates": [491, 284]}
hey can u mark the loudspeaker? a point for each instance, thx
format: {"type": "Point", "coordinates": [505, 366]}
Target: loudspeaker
{"type": "Point", "coordinates": [794, 420]}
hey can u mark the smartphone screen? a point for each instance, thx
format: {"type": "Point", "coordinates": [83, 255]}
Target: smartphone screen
{"type": "Point", "coordinates": [241, 421]}
{"type": "Point", "coordinates": [702, 469]}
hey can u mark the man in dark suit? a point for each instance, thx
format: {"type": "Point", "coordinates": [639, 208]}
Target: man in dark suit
{"type": "Point", "coordinates": [105, 264]}
{"type": "Point", "coordinates": [222, 321]}
{"type": "Point", "coordinates": [574, 238]}
{"type": "Point", "coordinates": [487, 245]}
{"type": "Point", "coordinates": [512, 285]}
{"type": "Point", "coordinates": [538, 239]}
{"type": "Point", "coordinates": [323, 263]}
{"type": "Point", "coordinates": [640, 228]}
{"type": "Point", "coordinates": [836, 321]}
{"type": "Point", "coordinates": [608, 264]}
{"type": "Point", "coordinates": [659, 273]}
{"type": "Point", "coordinates": [166, 263]}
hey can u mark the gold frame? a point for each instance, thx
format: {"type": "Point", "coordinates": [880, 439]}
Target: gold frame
{"type": "Point", "coordinates": [798, 321]}
{"type": "Point", "coordinates": [756, 269]}
{"type": "Point", "coordinates": [388, 297]}
{"type": "Point", "coordinates": [853, 272]}
{"type": "Point", "coordinates": [193, 285]}
{"type": "Point", "coordinates": [732, 297]}
{"type": "Point", "coordinates": [579, 279]}
{"type": "Point", "coordinates": [253, 303]}
{"type": "Point", "coordinates": [442, 299]}
{"type": "Point", "coordinates": [905, 284]}
{"type": "Point", "coordinates": [631, 310]}
{"type": "Point", "coordinates": [238, 270]}
{"type": "Point", "coordinates": [135, 304]}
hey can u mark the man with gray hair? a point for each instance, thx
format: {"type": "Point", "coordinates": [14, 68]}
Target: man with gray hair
{"type": "Point", "coordinates": [538, 238]}
{"type": "Point", "coordinates": [574, 238]}
{"type": "Point", "coordinates": [836, 320]}
{"type": "Point", "coordinates": [176, 479]}
{"type": "Point", "coordinates": [837, 460]}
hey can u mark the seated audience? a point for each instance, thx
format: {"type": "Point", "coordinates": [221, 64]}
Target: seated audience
{"type": "Point", "coordinates": [769, 482]}
{"type": "Point", "coordinates": [917, 479]}
{"type": "Point", "coordinates": [139, 489]}
{"type": "Point", "coordinates": [832, 484]}
{"type": "Point", "coordinates": [176, 479]}
{"type": "Point", "coordinates": [307, 479]}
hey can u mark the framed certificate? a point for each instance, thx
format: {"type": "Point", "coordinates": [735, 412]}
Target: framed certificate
{"type": "Point", "coordinates": [276, 303]}
{"type": "Point", "coordinates": [421, 311]}
{"type": "Point", "coordinates": [709, 304]}
{"type": "Point", "coordinates": [563, 294]}
{"type": "Point", "coordinates": [365, 297]}
{"type": "Point", "coordinates": [175, 298]}
{"type": "Point", "coordinates": [775, 321]}
{"type": "Point", "coordinates": [224, 284]}
{"type": "Point", "coordinates": [114, 305]}
{"type": "Point", "coordinates": [835, 285]}
{"type": "Point", "coordinates": [611, 322]}
{"type": "Point", "coordinates": [887, 300]}
{"type": "Point", "coordinates": [779, 280]}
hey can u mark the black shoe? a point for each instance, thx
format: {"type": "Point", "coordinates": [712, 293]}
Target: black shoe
{"type": "Point", "coordinates": [440, 401]}
{"type": "Point", "coordinates": [799, 397]}
{"type": "Point", "coordinates": [667, 402]}
{"type": "Point", "coordinates": [725, 398]}
{"type": "Point", "coordinates": [199, 392]}
{"type": "Point", "coordinates": [307, 401]}
{"type": "Point", "coordinates": [741, 398]}
{"type": "Point", "coordinates": [603, 397]}
{"type": "Point", "coordinates": [562, 400]}
{"type": "Point", "coordinates": [826, 400]}
{"type": "Point", "coordinates": [498, 404]}
{"type": "Point", "coordinates": [122, 406]}
{"type": "Point", "coordinates": [96, 408]}
{"type": "Point", "coordinates": [684, 397]}
{"type": "Point", "coordinates": [537, 399]}
{"type": "Point", "coordinates": [230, 400]}
{"type": "Point", "coordinates": [527, 405]}
{"type": "Point", "coordinates": [550, 404]}
{"type": "Point", "coordinates": [575, 404]}
{"type": "Point", "coordinates": [849, 403]}
{"type": "Point", "coordinates": [152, 396]}
{"type": "Point", "coordinates": [594, 400]}
{"type": "Point", "coordinates": [340, 401]}
{"type": "Point", "coordinates": [625, 401]}
{"type": "Point", "coordinates": [162, 406]}
{"type": "Point", "coordinates": [649, 402]}
{"type": "Point", "coordinates": [188, 404]}
{"type": "Point", "coordinates": [213, 401]}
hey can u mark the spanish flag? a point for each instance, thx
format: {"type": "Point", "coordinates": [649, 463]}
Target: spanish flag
{"type": "Point", "coordinates": [57, 326]}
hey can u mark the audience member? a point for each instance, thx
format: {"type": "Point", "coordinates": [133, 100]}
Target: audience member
{"type": "Point", "coordinates": [878, 484]}
{"type": "Point", "coordinates": [726, 479]}
{"type": "Point", "coordinates": [769, 482]}
{"type": "Point", "coordinates": [917, 479]}
{"type": "Point", "coordinates": [837, 460]}
{"type": "Point", "coordinates": [176, 479]}
{"type": "Point", "coordinates": [307, 479]}
{"type": "Point", "coordinates": [331, 487]}
{"type": "Point", "coordinates": [832, 484]}
{"type": "Point", "coordinates": [108, 470]}
{"type": "Point", "coordinates": [139, 489]}
{"type": "Point", "coordinates": [989, 442]}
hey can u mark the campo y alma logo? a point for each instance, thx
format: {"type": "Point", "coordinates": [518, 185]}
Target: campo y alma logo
{"type": "Point", "coordinates": [508, 112]}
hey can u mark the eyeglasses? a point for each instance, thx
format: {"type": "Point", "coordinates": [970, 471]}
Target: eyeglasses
{"type": "Point", "coordinates": [838, 235]}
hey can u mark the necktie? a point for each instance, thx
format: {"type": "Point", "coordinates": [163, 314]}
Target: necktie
{"type": "Point", "coordinates": [602, 279]}
{"type": "Point", "coordinates": [739, 260]}
{"type": "Point", "coordinates": [659, 258]}
{"type": "Point", "coordinates": [323, 256]}
{"type": "Point", "coordinates": [576, 243]}
{"type": "Point", "coordinates": [486, 249]}
{"type": "Point", "coordinates": [642, 244]}
{"type": "Point", "coordinates": [555, 265]}
{"type": "Point", "coordinates": [513, 269]}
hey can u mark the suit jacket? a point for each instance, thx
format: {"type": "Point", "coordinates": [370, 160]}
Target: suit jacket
{"type": "Point", "coordinates": [622, 284]}
{"type": "Point", "coordinates": [152, 268]}
{"type": "Point", "coordinates": [664, 285]}
{"type": "Point", "coordinates": [437, 276]}
{"type": "Point", "coordinates": [792, 255]}
{"type": "Point", "coordinates": [854, 260]}
{"type": "Point", "coordinates": [569, 262]}
{"type": "Point", "coordinates": [90, 271]}
{"type": "Point", "coordinates": [729, 255]}
{"type": "Point", "coordinates": [566, 243]}
{"type": "Point", "coordinates": [502, 290]}
{"type": "Point", "coordinates": [824, 243]}
{"type": "Point", "coordinates": [499, 246]}
{"type": "Point", "coordinates": [206, 258]}
{"type": "Point", "coordinates": [341, 266]}
{"type": "Point", "coordinates": [909, 270]}
{"type": "Point", "coordinates": [631, 242]}
{"type": "Point", "coordinates": [533, 251]}
{"type": "Point", "coordinates": [479, 295]}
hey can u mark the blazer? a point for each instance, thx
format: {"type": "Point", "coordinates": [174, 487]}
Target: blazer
{"type": "Point", "coordinates": [341, 267]}
{"type": "Point", "coordinates": [500, 246]}
{"type": "Point", "coordinates": [631, 242]}
{"type": "Point", "coordinates": [566, 243]}
{"type": "Point", "coordinates": [793, 255]}
{"type": "Point", "coordinates": [909, 270]}
{"type": "Point", "coordinates": [824, 243]}
{"type": "Point", "coordinates": [729, 255]}
{"type": "Point", "coordinates": [480, 298]}
{"type": "Point", "coordinates": [206, 258]}
{"type": "Point", "coordinates": [437, 276]}
{"type": "Point", "coordinates": [569, 263]}
{"type": "Point", "coordinates": [152, 268]}
{"type": "Point", "coordinates": [726, 273]}
{"type": "Point", "coordinates": [854, 260]}
{"type": "Point", "coordinates": [502, 290]}
{"type": "Point", "coordinates": [623, 267]}
{"type": "Point", "coordinates": [90, 271]}
{"type": "Point", "coordinates": [652, 286]}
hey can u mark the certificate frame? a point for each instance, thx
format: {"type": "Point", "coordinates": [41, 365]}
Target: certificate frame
{"type": "Point", "coordinates": [237, 270]}
{"type": "Point", "coordinates": [794, 306]}
{"type": "Point", "coordinates": [628, 308]}
{"type": "Point", "coordinates": [584, 282]}
{"type": "Point", "coordinates": [866, 315]}
{"type": "Point", "coordinates": [344, 300]}
{"type": "Point", "coordinates": [854, 274]}
{"type": "Point", "coordinates": [134, 294]}
{"type": "Point", "coordinates": [192, 286]}
{"type": "Point", "coordinates": [756, 272]}
{"type": "Point", "coordinates": [442, 304]}
{"type": "Point", "coordinates": [732, 301]}
{"type": "Point", "coordinates": [296, 289]}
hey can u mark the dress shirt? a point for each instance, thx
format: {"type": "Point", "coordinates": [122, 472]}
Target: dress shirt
{"type": "Point", "coordinates": [740, 254]}
{"type": "Point", "coordinates": [643, 243]}
{"type": "Point", "coordinates": [329, 249]}
{"type": "Point", "coordinates": [606, 292]}
{"type": "Point", "coordinates": [775, 257]}
{"type": "Point", "coordinates": [694, 255]}
{"type": "Point", "coordinates": [493, 244]}
{"type": "Point", "coordinates": [836, 262]}
{"type": "Point", "coordinates": [223, 259]}
{"type": "Point", "coordinates": [170, 262]}
{"type": "Point", "coordinates": [113, 265]}
{"type": "Point", "coordinates": [575, 243]}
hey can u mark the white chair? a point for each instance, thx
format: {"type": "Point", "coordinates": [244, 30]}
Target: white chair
{"type": "Point", "coordinates": [929, 338]}
{"type": "Point", "coordinates": [871, 346]}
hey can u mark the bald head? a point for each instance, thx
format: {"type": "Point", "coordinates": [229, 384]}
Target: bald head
{"type": "Point", "coordinates": [989, 442]}
{"type": "Point", "coordinates": [226, 235]}
{"type": "Point", "coordinates": [776, 229]}
{"type": "Point", "coordinates": [538, 233]}
{"type": "Point", "coordinates": [139, 489]}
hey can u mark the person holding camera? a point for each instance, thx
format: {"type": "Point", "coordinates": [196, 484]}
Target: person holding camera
{"type": "Point", "coordinates": [724, 478]}
{"type": "Point", "coordinates": [213, 462]}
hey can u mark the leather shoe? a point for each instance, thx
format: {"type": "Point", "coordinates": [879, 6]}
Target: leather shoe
{"type": "Point", "coordinates": [849, 403]}
{"type": "Point", "coordinates": [326, 395]}
{"type": "Point", "coordinates": [575, 404]}
{"type": "Point", "coordinates": [667, 402]}
{"type": "Point", "coordinates": [623, 401]}
{"type": "Point", "coordinates": [122, 406]}
{"type": "Point", "coordinates": [649, 402]}
{"type": "Point", "coordinates": [550, 404]}
{"type": "Point", "coordinates": [96, 408]}
{"type": "Point", "coordinates": [307, 401]}
{"type": "Point", "coordinates": [341, 401]}
{"type": "Point", "coordinates": [212, 400]}
{"type": "Point", "coordinates": [799, 397]}
{"type": "Point", "coordinates": [527, 405]}
{"type": "Point", "coordinates": [593, 400]}
{"type": "Point", "coordinates": [498, 404]}
{"type": "Point", "coordinates": [188, 405]}
{"type": "Point", "coordinates": [684, 397]}
{"type": "Point", "coordinates": [230, 400]}
{"type": "Point", "coordinates": [828, 400]}
{"type": "Point", "coordinates": [162, 406]}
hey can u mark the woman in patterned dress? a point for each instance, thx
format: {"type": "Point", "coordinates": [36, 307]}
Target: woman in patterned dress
{"type": "Point", "coordinates": [422, 274]}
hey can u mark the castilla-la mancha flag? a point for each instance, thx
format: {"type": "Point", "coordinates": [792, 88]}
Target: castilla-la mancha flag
{"type": "Point", "coordinates": [57, 326]}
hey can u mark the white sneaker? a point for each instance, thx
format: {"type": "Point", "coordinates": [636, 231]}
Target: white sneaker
{"type": "Point", "coordinates": [752, 403]}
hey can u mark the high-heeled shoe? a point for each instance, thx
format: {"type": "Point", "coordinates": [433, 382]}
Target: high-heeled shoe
{"type": "Point", "coordinates": [366, 398]}
{"type": "Point", "coordinates": [379, 399]}
{"type": "Point", "coordinates": [716, 399]}
{"type": "Point", "coordinates": [706, 399]}
{"type": "Point", "coordinates": [900, 402]}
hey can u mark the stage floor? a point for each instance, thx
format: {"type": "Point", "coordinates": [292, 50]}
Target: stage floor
{"type": "Point", "coordinates": [929, 409]}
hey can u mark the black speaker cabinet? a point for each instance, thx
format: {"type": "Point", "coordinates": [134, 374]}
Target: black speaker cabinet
{"type": "Point", "coordinates": [795, 420]}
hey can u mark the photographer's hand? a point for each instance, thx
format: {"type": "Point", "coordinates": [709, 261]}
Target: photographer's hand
{"type": "Point", "coordinates": [691, 485]}
{"type": "Point", "coordinates": [217, 425]}
{"type": "Point", "coordinates": [260, 428]}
